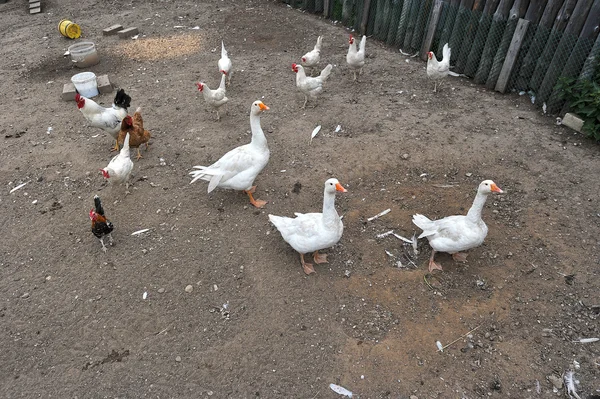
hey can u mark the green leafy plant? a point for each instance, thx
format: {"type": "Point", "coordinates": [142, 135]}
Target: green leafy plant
{"type": "Point", "coordinates": [583, 97]}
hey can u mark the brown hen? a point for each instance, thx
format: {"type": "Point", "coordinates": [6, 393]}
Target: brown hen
{"type": "Point", "coordinates": [137, 134]}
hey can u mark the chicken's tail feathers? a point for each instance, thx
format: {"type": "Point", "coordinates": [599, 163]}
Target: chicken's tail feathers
{"type": "Point", "coordinates": [425, 224]}
{"type": "Point", "coordinates": [223, 51]}
{"type": "Point", "coordinates": [138, 110]}
{"type": "Point", "coordinates": [363, 43]}
{"type": "Point", "coordinates": [98, 206]}
{"type": "Point", "coordinates": [203, 173]}
{"type": "Point", "coordinates": [125, 149]}
{"type": "Point", "coordinates": [319, 43]}
{"type": "Point", "coordinates": [446, 52]}
{"type": "Point", "coordinates": [326, 72]}
{"type": "Point", "coordinates": [122, 99]}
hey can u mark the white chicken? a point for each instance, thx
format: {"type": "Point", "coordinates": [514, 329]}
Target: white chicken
{"type": "Point", "coordinates": [310, 232]}
{"type": "Point", "coordinates": [438, 70]}
{"type": "Point", "coordinates": [312, 58]}
{"type": "Point", "coordinates": [356, 58]}
{"type": "Point", "coordinates": [309, 86]}
{"type": "Point", "coordinates": [237, 169]}
{"type": "Point", "coordinates": [119, 168]}
{"type": "Point", "coordinates": [225, 64]}
{"type": "Point", "coordinates": [215, 98]}
{"type": "Point", "coordinates": [107, 119]}
{"type": "Point", "coordinates": [457, 233]}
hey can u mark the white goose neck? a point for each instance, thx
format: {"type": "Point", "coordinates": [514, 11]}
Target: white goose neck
{"type": "Point", "coordinates": [474, 213]}
{"type": "Point", "coordinates": [329, 212]}
{"type": "Point", "coordinates": [258, 136]}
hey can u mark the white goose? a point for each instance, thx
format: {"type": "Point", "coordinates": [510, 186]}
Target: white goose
{"type": "Point", "coordinates": [310, 232]}
{"type": "Point", "coordinates": [454, 234]}
{"type": "Point", "coordinates": [237, 169]}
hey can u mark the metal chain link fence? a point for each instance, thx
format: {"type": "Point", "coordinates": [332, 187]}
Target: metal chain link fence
{"type": "Point", "coordinates": [523, 46]}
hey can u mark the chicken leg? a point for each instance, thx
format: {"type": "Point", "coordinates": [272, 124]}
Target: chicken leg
{"type": "Point", "coordinates": [433, 265]}
{"type": "Point", "coordinates": [102, 242]}
{"type": "Point", "coordinates": [305, 101]}
{"type": "Point", "coordinates": [116, 147]}
{"type": "Point", "coordinates": [319, 258]}
{"type": "Point", "coordinates": [138, 156]}
{"type": "Point", "coordinates": [255, 202]}
{"type": "Point", "coordinates": [308, 268]}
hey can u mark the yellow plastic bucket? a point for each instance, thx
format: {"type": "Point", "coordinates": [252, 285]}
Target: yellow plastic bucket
{"type": "Point", "coordinates": [69, 29]}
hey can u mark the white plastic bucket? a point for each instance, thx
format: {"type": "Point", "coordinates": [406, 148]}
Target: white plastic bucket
{"type": "Point", "coordinates": [83, 54]}
{"type": "Point", "coordinates": [85, 83]}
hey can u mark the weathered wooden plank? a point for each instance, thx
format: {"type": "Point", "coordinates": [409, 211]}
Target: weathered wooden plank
{"type": "Point", "coordinates": [480, 37]}
{"type": "Point", "coordinates": [511, 55]}
{"type": "Point", "coordinates": [412, 21]}
{"type": "Point", "coordinates": [578, 55]}
{"type": "Point", "coordinates": [458, 31]}
{"type": "Point", "coordinates": [493, 40]}
{"type": "Point", "coordinates": [346, 12]}
{"type": "Point", "coordinates": [395, 17]}
{"type": "Point", "coordinates": [326, 8]}
{"type": "Point", "coordinates": [592, 63]}
{"type": "Point", "coordinates": [433, 21]}
{"type": "Point", "coordinates": [365, 17]}
{"type": "Point", "coordinates": [509, 30]}
{"type": "Point", "coordinates": [566, 45]}
{"type": "Point", "coordinates": [448, 25]}
{"type": "Point", "coordinates": [537, 43]}
{"type": "Point", "coordinates": [469, 36]}
{"type": "Point", "coordinates": [551, 44]}
{"type": "Point", "coordinates": [421, 25]}
{"type": "Point", "coordinates": [403, 22]}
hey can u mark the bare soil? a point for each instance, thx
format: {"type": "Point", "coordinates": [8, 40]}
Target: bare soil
{"type": "Point", "coordinates": [73, 319]}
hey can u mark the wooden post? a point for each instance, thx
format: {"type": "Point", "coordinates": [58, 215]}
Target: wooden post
{"type": "Point", "coordinates": [550, 44]}
{"type": "Point", "coordinates": [582, 48]}
{"type": "Point", "coordinates": [394, 19]}
{"type": "Point", "coordinates": [326, 8]}
{"type": "Point", "coordinates": [448, 24]}
{"type": "Point", "coordinates": [386, 20]}
{"type": "Point", "coordinates": [537, 43]}
{"type": "Point", "coordinates": [567, 42]}
{"type": "Point", "coordinates": [592, 63]}
{"type": "Point", "coordinates": [402, 23]}
{"type": "Point", "coordinates": [478, 42]}
{"type": "Point", "coordinates": [458, 32]}
{"type": "Point", "coordinates": [462, 53]}
{"type": "Point", "coordinates": [435, 17]}
{"type": "Point", "coordinates": [511, 55]}
{"type": "Point", "coordinates": [346, 12]}
{"type": "Point", "coordinates": [491, 44]}
{"type": "Point", "coordinates": [421, 25]}
{"type": "Point", "coordinates": [412, 21]}
{"type": "Point", "coordinates": [507, 35]}
{"type": "Point", "coordinates": [365, 17]}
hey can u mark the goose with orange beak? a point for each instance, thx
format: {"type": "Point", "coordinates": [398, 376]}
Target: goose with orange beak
{"type": "Point", "coordinates": [454, 234]}
{"type": "Point", "coordinates": [311, 232]}
{"type": "Point", "coordinates": [237, 169]}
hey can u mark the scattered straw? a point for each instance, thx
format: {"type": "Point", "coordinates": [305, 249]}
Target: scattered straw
{"type": "Point", "coordinates": [160, 48]}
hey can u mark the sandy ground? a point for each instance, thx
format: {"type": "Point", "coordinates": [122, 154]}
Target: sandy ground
{"type": "Point", "coordinates": [73, 320]}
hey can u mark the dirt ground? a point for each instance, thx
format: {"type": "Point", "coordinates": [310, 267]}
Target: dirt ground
{"type": "Point", "coordinates": [73, 320]}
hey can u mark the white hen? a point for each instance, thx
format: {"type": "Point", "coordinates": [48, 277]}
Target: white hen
{"type": "Point", "coordinates": [438, 70]}
{"type": "Point", "coordinates": [119, 168]}
{"type": "Point", "coordinates": [312, 58]}
{"type": "Point", "coordinates": [356, 58]}
{"type": "Point", "coordinates": [310, 87]}
{"type": "Point", "coordinates": [225, 64]}
{"type": "Point", "coordinates": [310, 232]}
{"type": "Point", "coordinates": [215, 98]}
{"type": "Point", "coordinates": [454, 234]}
{"type": "Point", "coordinates": [237, 169]}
